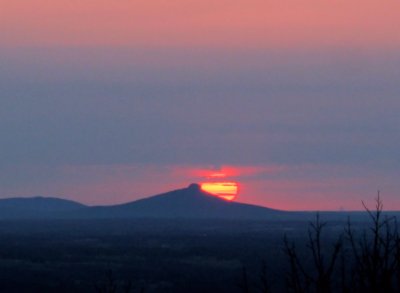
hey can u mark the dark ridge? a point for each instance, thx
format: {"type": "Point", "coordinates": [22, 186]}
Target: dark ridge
{"type": "Point", "coordinates": [190, 202]}
{"type": "Point", "coordinates": [186, 203]}
{"type": "Point", "coordinates": [37, 207]}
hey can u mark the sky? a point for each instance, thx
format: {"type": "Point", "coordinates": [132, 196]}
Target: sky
{"type": "Point", "coordinates": [106, 102]}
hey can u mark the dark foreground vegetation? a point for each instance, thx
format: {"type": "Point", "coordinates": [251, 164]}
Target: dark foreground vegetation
{"type": "Point", "coordinates": [367, 260]}
{"type": "Point", "coordinates": [201, 255]}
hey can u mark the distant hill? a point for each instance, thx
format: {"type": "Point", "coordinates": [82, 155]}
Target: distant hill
{"type": "Point", "coordinates": [186, 203]}
{"type": "Point", "coordinates": [190, 202]}
{"type": "Point", "coordinates": [37, 207]}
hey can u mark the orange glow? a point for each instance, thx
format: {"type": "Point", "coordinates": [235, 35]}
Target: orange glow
{"type": "Point", "coordinates": [225, 190]}
{"type": "Point", "coordinates": [218, 175]}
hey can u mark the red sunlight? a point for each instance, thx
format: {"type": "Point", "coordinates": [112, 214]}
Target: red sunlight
{"type": "Point", "coordinates": [218, 175]}
{"type": "Point", "coordinates": [224, 190]}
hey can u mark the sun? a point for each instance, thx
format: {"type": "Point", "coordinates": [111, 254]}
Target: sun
{"type": "Point", "coordinates": [224, 190]}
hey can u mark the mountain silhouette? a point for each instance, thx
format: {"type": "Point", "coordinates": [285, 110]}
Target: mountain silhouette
{"type": "Point", "coordinates": [190, 202]}
{"type": "Point", "coordinates": [37, 207]}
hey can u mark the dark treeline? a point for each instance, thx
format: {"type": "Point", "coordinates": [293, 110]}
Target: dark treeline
{"type": "Point", "coordinates": [366, 260]}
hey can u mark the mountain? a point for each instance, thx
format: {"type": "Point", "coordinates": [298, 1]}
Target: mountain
{"type": "Point", "coordinates": [37, 207]}
{"type": "Point", "coordinates": [190, 202]}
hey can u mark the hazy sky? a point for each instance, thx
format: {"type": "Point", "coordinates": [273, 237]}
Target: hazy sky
{"type": "Point", "coordinates": [109, 101]}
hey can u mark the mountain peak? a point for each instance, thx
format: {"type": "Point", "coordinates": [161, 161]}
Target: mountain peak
{"type": "Point", "coordinates": [190, 202]}
{"type": "Point", "coordinates": [194, 187]}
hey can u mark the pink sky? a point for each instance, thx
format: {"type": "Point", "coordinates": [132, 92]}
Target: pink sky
{"type": "Point", "coordinates": [186, 23]}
